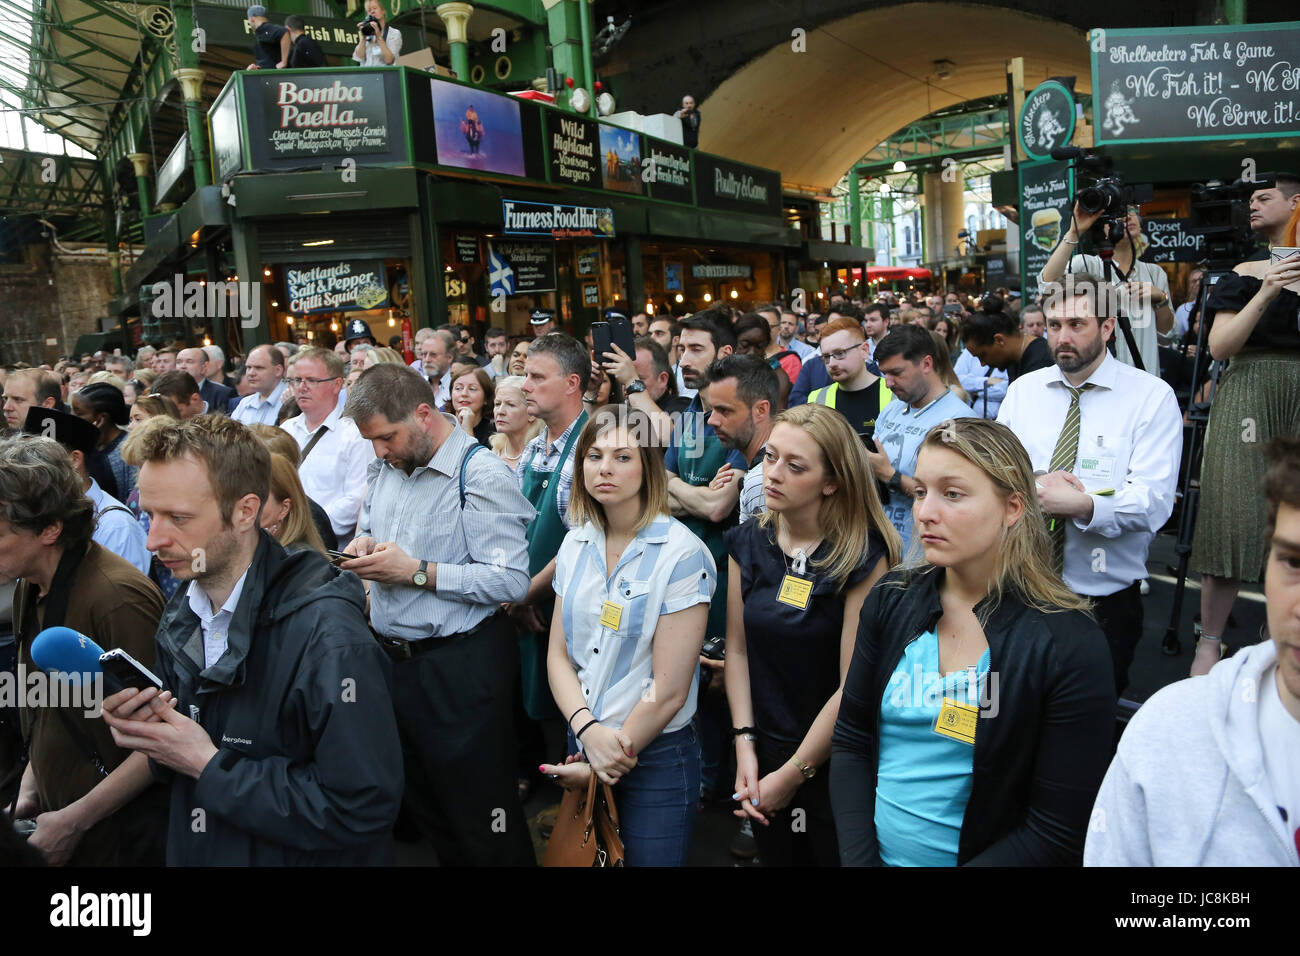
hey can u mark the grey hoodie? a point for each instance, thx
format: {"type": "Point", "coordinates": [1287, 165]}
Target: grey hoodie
{"type": "Point", "coordinates": [1187, 786]}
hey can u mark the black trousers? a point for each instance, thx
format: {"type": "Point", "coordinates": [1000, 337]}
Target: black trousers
{"type": "Point", "coordinates": [1120, 617]}
{"type": "Point", "coordinates": [803, 834]}
{"type": "Point", "coordinates": [455, 714]}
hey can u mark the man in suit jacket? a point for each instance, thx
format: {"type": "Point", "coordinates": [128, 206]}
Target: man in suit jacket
{"type": "Point", "coordinates": [194, 361]}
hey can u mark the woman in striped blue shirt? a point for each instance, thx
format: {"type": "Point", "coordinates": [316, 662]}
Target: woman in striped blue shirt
{"type": "Point", "coordinates": [633, 586]}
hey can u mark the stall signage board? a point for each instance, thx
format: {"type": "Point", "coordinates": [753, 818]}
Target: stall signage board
{"type": "Point", "coordinates": [591, 295]}
{"type": "Point", "coordinates": [1045, 190]}
{"type": "Point", "coordinates": [467, 250]}
{"type": "Point", "coordinates": [721, 184]}
{"type": "Point", "coordinates": [1046, 119]}
{"type": "Point", "coordinates": [555, 220]}
{"type": "Point", "coordinates": [326, 115]}
{"type": "Point", "coordinates": [342, 285]}
{"type": "Point", "coordinates": [724, 270]}
{"type": "Point", "coordinates": [1169, 240]}
{"type": "Point", "coordinates": [575, 144]}
{"type": "Point", "coordinates": [1195, 83]}
{"type": "Point", "coordinates": [515, 268]}
{"type": "Point", "coordinates": [667, 170]}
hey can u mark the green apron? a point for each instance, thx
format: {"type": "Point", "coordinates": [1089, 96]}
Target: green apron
{"type": "Point", "coordinates": [545, 535]}
{"type": "Point", "coordinates": [706, 455]}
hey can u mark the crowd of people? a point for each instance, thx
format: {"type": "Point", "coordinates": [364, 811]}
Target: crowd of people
{"type": "Point", "coordinates": [872, 576]}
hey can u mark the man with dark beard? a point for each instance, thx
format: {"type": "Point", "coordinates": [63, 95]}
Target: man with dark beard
{"type": "Point", "coordinates": [1105, 440]}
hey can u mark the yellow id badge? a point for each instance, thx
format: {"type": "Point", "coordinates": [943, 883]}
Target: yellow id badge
{"type": "Point", "coordinates": [611, 615]}
{"type": "Point", "coordinates": [957, 720]}
{"type": "Point", "coordinates": [795, 592]}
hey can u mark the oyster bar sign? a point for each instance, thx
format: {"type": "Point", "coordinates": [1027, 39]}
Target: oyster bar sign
{"type": "Point", "coordinates": [560, 222]}
{"type": "Point", "coordinates": [324, 117]}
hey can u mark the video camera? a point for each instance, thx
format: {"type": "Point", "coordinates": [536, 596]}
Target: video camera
{"type": "Point", "coordinates": [1221, 213]}
{"type": "Point", "coordinates": [1102, 192]}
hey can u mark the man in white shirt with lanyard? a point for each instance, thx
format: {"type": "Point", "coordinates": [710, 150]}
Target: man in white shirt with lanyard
{"type": "Point", "coordinates": [334, 455]}
{"type": "Point", "coordinates": [1141, 289]}
{"type": "Point", "coordinates": [1105, 439]}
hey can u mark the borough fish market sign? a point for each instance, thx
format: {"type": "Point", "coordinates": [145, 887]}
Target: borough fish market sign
{"type": "Point", "coordinates": [560, 222]}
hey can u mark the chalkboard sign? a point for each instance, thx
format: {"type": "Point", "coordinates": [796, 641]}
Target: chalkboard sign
{"type": "Point", "coordinates": [1225, 82]}
{"type": "Point", "coordinates": [1168, 240]}
{"type": "Point", "coordinates": [1046, 119]}
{"type": "Point", "coordinates": [1045, 191]}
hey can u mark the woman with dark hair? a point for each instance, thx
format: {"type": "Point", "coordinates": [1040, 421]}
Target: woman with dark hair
{"type": "Point", "coordinates": [104, 406]}
{"type": "Point", "coordinates": [754, 337]}
{"type": "Point", "coordinates": [472, 397]}
{"type": "Point", "coordinates": [977, 718]}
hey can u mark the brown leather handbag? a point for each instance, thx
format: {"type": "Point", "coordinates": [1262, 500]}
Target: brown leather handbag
{"type": "Point", "coordinates": [586, 829]}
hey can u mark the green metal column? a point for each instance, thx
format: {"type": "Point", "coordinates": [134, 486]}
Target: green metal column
{"type": "Point", "coordinates": [191, 78]}
{"type": "Point", "coordinates": [632, 274]}
{"type": "Point", "coordinates": [1234, 11]}
{"type": "Point", "coordinates": [140, 163]}
{"type": "Point", "coordinates": [455, 17]}
{"type": "Point", "coordinates": [248, 266]}
{"type": "Point", "coordinates": [564, 33]}
{"type": "Point", "coordinates": [110, 245]}
{"type": "Point", "coordinates": [855, 208]}
{"type": "Point", "coordinates": [584, 11]}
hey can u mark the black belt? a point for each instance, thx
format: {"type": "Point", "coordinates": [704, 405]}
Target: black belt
{"type": "Point", "coordinates": [400, 650]}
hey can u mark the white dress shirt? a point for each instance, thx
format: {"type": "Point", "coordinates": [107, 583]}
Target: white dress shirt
{"type": "Point", "coordinates": [1143, 320]}
{"type": "Point", "coordinates": [334, 474]}
{"type": "Point", "coordinates": [215, 625]}
{"type": "Point", "coordinates": [1130, 441]}
{"type": "Point", "coordinates": [256, 410]}
{"type": "Point", "coordinates": [117, 530]}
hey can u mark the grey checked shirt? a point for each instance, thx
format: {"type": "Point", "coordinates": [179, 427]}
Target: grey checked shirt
{"type": "Point", "coordinates": [480, 553]}
{"type": "Point", "coordinates": [545, 456]}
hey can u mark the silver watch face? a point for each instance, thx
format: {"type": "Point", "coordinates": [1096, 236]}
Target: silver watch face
{"type": "Point", "coordinates": [420, 578]}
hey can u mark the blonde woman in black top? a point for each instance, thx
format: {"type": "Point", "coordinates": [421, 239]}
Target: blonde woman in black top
{"type": "Point", "coordinates": [799, 575]}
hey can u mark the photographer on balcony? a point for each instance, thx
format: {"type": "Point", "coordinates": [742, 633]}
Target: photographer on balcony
{"type": "Point", "coordinates": [1142, 287]}
{"type": "Point", "coordinates": [380, 44]}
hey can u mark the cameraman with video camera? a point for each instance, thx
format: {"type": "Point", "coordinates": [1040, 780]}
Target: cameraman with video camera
{"type": "Point", "coordinates": [380, 44]}
{"type": "Point", "coordinates": [1142, 286]}
{"type": "Point", "coordinates": [1253, 310]}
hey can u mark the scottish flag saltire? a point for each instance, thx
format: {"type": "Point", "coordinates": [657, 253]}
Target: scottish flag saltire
{"type": "Point", "coordinates": [502, 276]}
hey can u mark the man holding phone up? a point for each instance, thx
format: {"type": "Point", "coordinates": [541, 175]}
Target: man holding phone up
{"type": "Point", "coordinates": [275, 727]}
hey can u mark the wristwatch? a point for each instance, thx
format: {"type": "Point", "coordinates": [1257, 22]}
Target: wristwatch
{"type": "Point", "coordinates": [807, 771]}
{"type": "Point", "coordinates": [634, 386]}
{"type": "Point", "coordinates": [896, 482]}
{"type": "Point", "coordinates": [421, 577]}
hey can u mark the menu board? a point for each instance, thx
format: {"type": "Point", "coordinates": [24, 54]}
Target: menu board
{"type": "Point", "coordinates": [574, 143]}
{"type": "Point", "coordinates": [1045, 191]}
{"type": "Point", "coordinates": [1222, 82]}
{"type": "Point", "coordinates": [340, 286]}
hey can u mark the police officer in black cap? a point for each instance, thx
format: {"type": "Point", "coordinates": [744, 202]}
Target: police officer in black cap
{"type": "Point", "coordinates": [543, 322]}
{"type": "Point", "coordinates": [357, 333]}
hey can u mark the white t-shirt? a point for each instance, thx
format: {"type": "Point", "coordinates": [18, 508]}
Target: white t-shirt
{"type": "Point", "coordinates": [1279, 734]}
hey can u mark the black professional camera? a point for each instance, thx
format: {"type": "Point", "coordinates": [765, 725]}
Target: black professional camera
{"type": "Point", "coordinates": [1221, 213]}
{"type": "Point", "coordinates": [1101, 192]}
{"type": "Point", "coordinates": [368, 26]}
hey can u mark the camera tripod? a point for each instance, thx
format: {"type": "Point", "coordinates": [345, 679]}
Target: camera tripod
{"type": "Point", "coordinates": [1198, 417]}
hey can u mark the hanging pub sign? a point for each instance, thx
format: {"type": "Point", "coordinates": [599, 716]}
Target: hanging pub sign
{"type": "Point", "coordinates": [1188, 83]}
{"type": "Point", "coordinates": [516, 268]}
{"type": "Point", "coordinates": [1046, 119]}
{"type": "Point", "coordinates": [467, 250]}
{"type": "Point", "coordinates": [591, 295]}
{"type": "Point", "coordinates": [556, 221]}
{"type": "Point", "coordinates": [330, 115]}
{"type": "Point", "coordinates": [574, 143]}
{"type": "Point", "coordinates": [345, 285]}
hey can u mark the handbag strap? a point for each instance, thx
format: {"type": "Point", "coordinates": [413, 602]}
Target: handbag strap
{"type": "Point", "coordinates": [320, 433]}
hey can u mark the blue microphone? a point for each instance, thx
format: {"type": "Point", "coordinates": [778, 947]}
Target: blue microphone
{"type": "Point", "coordinates": [61, 650]}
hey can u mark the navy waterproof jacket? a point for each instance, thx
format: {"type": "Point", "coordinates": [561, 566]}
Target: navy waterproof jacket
{"type": "Point", "coordinates": [309, 768]}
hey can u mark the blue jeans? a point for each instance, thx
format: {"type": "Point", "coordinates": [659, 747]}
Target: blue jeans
{"type": "Point", "coordinates": [656, 801]}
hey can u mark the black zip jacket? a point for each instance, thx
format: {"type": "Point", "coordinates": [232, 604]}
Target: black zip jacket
{"type": "Point", "coordinates": [309, 768]}
{"type": "Point", "coordinates": [1043, 741]}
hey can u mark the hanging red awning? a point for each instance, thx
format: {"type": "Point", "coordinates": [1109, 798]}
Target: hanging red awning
{"type": "Point", "coordinates": [897, 273]}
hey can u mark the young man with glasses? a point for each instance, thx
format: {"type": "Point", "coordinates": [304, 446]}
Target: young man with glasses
{"type": "Point", "coordinates": [855, 392]}
{"type": "Point", "coordinates": [334, 455]}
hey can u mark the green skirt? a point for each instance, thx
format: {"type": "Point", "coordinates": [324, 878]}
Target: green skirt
{"type": "Point", "coordinates": [1257, 400]}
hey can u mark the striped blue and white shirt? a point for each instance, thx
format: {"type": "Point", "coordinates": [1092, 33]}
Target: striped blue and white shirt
{"type": "Point", "coordinates": [664, 569]}
{"type": "Point", "coordinates": [255, 410]}
{"type": "Point", "coordinates": [480, 553]}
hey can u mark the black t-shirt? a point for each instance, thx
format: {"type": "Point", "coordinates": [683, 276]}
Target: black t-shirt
{"type": "Point", "coordinates": [266, 45]}
{"type": "Point", "coordinates": [794, 655]}
{"type": "Point", "coordinates": [860, 408]}
{"type": "Point", "coordinates": [306, 52]}
{"type": "Point", "coordinates": [1036, 355]}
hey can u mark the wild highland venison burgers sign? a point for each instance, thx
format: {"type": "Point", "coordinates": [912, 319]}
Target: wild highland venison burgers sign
{"type": "Point", "coordinates": [326, 116]}
{"type": "Point", "coordinates": [341, 286]}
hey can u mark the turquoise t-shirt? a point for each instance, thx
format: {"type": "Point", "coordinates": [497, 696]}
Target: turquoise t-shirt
{"type": "Point", "coordinates": [924, 778]}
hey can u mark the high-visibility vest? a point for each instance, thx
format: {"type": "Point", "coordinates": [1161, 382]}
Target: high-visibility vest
{"type": "Point", "coordinates": [827, 395]}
